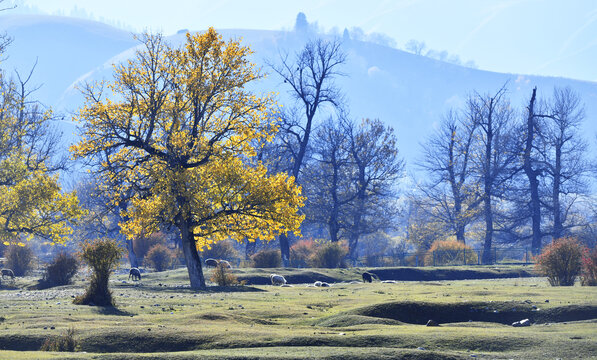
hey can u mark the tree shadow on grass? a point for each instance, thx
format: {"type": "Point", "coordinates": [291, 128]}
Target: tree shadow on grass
{"type": "Point", "coordinates": [111, 310]}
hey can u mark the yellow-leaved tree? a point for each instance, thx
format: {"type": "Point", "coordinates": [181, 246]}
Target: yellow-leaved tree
{"type": "Point", "coordinates": [178, 130]}
{"type": "Point", "coordinates": [32, 203]}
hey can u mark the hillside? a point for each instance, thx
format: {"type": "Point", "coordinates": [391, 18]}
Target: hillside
{"type": "Point", "coordinates": [407, 91]}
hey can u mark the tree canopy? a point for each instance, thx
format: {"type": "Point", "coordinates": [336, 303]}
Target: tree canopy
{"type": "Point", "coordinates": [178, 127]}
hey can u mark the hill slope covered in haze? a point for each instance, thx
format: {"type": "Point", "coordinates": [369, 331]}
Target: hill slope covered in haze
{"type": "Point", "coordinates": [409, 92]}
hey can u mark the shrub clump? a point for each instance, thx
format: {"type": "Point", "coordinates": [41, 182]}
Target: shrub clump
{"type": "Point", "coordinates": [450, 252]}
{"type": "Point", "coordinates": [301, 252]}
{"type": "Point", "coordinates": [223, 276]}
{"type": "Point", "coordinates": [102, 256]}
{"type": "Point", "coordinates": [560, 262]}
{"type": "Point", "coordinates": [142, 245]}
{"type": "Point", "coordinates": [267, 259]}
{"type": "Point", "coordinates": [60, 271]}
{"type": "Point", "coordinates": [159, 257]}
{"type": "Point", "coordinates": [220, 250]}
{"type": "Point", "coordinates": [330, 255]}
{"type": "Point", "coordinates": [65, 342]}
{"type": "Point", "coordinates": [589, 268]}
{"type": "Point", "coordinates": [19, 259]}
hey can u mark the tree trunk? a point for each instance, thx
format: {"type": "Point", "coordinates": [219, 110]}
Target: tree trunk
{"type": "Point", "coordinates": [191, 256]}
{"type": "Point", "coordinates": [250, 249]}
{"type": "Point", "coordinates": [532, 175]}
{"type": "Point", "coordinates": [558, 229]}
{"type": "Point", "coordinates": [131, 254]}
{"type": "Point", "coordinates": [284, 250]}
{"type": "Point", "coordinates": [486, 259]}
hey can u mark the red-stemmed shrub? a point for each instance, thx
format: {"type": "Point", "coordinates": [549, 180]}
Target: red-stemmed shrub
{"type": "Point", "coordinates": [589, 268]}
{"type": "Point", "coordinates": [561, 261]}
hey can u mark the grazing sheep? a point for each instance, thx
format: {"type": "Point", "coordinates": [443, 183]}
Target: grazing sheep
{"type": "Point", "coordinates": [277, 279]}
{"type": "Point", "coordinates": [367, 277]}
{"type": "Point", "coordinates": [8, 272]}
{"type": "Point", "coordinates": [211, 262]}
{"type": "Point", "coordinates": [135, 273]}
{"type": "Point", "coordinates": [225, 264]}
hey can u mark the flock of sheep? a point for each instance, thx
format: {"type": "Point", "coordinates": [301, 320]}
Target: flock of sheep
{"type": "Point", "coordinates": [276, 280]}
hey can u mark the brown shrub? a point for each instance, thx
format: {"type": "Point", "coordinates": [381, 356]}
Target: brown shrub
{"type": "Point", "coordinates": [19, 259]}
{"type": "Point", "coordinates": [330, 255]}
{"type": "Point", "coordinates": [60, 271]}
{"type": "Point", "coordinates": [220, 250]}
{"type": "Point", "coordinates": [142, 245]}
{"type": "Point", "coordinates": [160, 257]}
{"type": "Point", "coordinates": [301, 251]}
{"type": "Point", "coordinates": [560, 261]}
{"type": "Point", "coordinates": [223, 276]}
{"type": "Point", "coordinates": [62, 343]}
{"type": "Point", "coordinates": [589, 268]}
{"type": "Point", "coordinates": [450, 252]}
{"type": "Point", "coordinates": [267, 259]}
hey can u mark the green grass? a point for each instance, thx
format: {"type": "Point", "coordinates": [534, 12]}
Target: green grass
{"type": "Point", "coordinates": [169, 321]}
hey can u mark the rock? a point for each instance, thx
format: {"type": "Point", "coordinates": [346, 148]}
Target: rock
{"type": "Point", "coordinates": [421, 348]}
{"type": "Point", "coordinates": [525, 322]}
{"type": "Point", "coordinates": [546, 301]}
{"type": "Point", "coordinates": [432, 323]}
{"type": "Point", "coordinates": [317, 283]}
{"type": "Point", "coordinates": [324, 284]}
{"type": "Point", "coordinates": [52, 327]}
{"type": "Point", "coordinates": [389, 282]}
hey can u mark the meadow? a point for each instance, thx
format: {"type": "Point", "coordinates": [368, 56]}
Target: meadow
{"type": "Point", "coordinates": [161, 318]}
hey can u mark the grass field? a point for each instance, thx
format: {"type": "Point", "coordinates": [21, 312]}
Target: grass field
{"type": "Point", "coordinates": [161, 318]}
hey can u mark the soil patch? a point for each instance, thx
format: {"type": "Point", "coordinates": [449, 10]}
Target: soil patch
{"type": "Point", "coordinates": [495, 312]}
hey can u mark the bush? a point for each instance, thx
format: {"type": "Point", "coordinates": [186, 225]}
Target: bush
{"type": "Point", "coordinates": [65, 342]}
{"type": "Point", "coordinates": [267, 259]}
{"type": "Point", "coordinates": [142, 245]}
{"type": "Point", "coordinates": [159, 257]}
{"type": "Point", "coordinates": [589, 268]}
{"type": "Point", "coordinates": [560, 261]}
{"type": "Point", "coordinates": [220, 250]}
{"type": "Point", "coordinates": [60, 271]}
{"type": "Point", "coordinates": [19, 259]}
{"type": "Point", "coordinates": [223, 276]}
{"type": "Point", "coordinates": [450, 252]}
{"type": "Point", "coordinates": [329, 255]}
{"type": "Point", "coordinates": [301, 252]}
{"type": "Point", "coordinates": [102, 256]}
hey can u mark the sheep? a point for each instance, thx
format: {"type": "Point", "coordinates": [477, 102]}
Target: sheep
{"type": "Point", "coordinates": [211, 262]}
{"type": "Point", "coordinates": [277, 279]}
{"type": "Point", "coordinates": [8, 272]}
{"type": "Point", "coordinates": [135, 273]}
{"type": "Point", "coordinates": [225, 264]}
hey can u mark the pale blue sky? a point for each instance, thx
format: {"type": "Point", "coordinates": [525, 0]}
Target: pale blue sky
{"type": "Point", "coordinates": [544, 37]}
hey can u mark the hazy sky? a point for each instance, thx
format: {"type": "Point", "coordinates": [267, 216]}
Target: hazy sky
{"type": "Point", "coordinates": [544, 37]}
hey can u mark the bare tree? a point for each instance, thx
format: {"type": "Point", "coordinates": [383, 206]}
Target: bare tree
{"type": "Point", "coordinates": [564, 156]}
{"type": "Point", "coordinates": [451, 195]}
{"type": "Point", "coordinates": [376, 169]}
{"type": "Point", "coordinates": [494, 155]}
{"type": "Point", "coordinates": [327, 180]}
{"type": "Point", "coordinates": [310, 76]}
{"type": "Point", "coordinates": [533, 169]}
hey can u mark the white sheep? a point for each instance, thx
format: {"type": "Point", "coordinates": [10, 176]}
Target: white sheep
{"type": "Point", "coordinates": [277, 279]}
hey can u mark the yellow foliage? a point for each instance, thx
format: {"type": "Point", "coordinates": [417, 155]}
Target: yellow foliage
{"type": "Point", "coordinates": [181, 129]}
{"type": "Point", "coordinates": [31, 200]}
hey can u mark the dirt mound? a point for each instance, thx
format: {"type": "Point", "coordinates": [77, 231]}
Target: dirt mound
{"type": "Point", "coordinates": [415, 274]}
{"type": "Point", "coordinates": [495, 312]}
{"type": "Point", "coordinates": [344, 320]}
{"type": "Point", "coordinates": [398, 274]}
